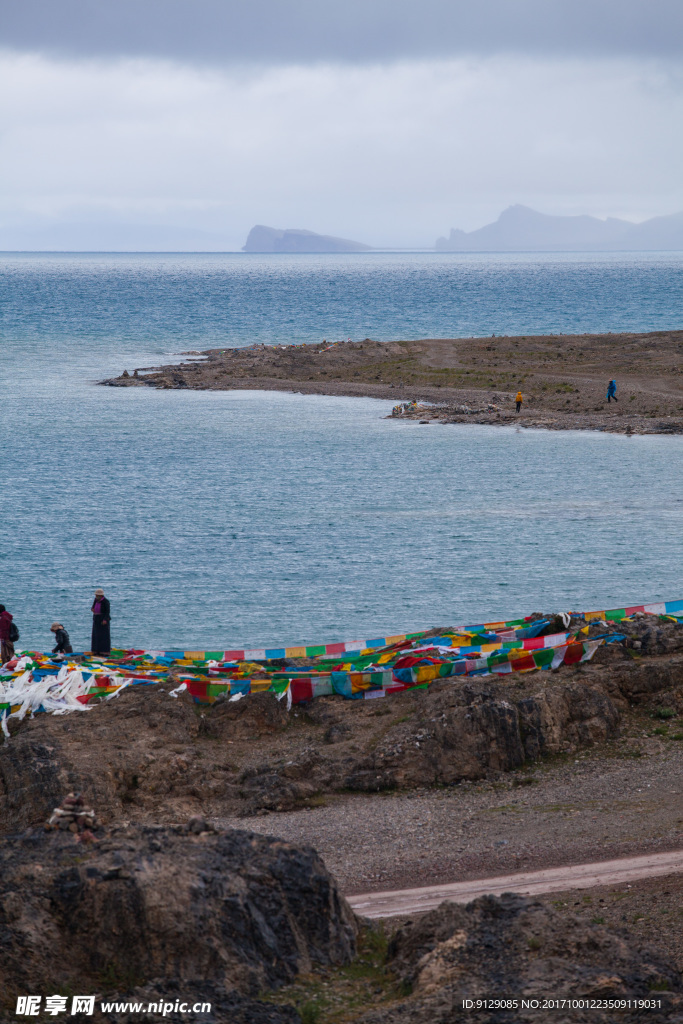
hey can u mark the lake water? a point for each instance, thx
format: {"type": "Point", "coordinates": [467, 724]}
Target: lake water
{"type": "Point", "coordinates": [222, 519]}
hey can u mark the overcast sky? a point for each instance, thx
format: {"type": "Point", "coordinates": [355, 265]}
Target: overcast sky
{"type": "Point", "coordinates": [185, 122]}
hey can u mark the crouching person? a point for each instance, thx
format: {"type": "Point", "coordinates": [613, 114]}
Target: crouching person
{"type": "Point", "coordinates": [63, 645]}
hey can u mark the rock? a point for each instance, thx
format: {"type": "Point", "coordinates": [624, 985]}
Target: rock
{"type": "Point", "coordinates": [146, 756]}
{"type": "Point", "coordinates": [226, 1007]}
{"type": "Point", "coordinates": [33, 778]}
{"type": "Point", "coordinates": [469, 732]}
{"type": "Point", "coordinates": [512, 947]}
{"type": "Point", "coordinates": [287, 787]}
{"type": "Point", "coordinates": [635, 681]}
{"type": "Point", "coordinates": [235, 910]}
{"type": "Point", "coordinates": [198, 824]}
{"type": "Point", "coordinates": [260, 714]}
{"type": "Point", "coordinates": [337, 732]}
{"type": "Point", "coordinates": [654, 634]}
{"type": "Point", "coordinates": [570, 716]}
{"type": "Point", "coordinates": [72, 815]}
{"type": "Point", "coordinates": [104, 753]}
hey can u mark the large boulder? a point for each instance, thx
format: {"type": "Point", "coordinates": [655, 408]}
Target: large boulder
{"type": "Point", "coordinates": [152, 905]}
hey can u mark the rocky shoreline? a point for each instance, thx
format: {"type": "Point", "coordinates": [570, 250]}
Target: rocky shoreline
{"type": "Point", "coordinates": [474, 380]}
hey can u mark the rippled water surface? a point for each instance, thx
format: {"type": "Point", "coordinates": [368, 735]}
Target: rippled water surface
{"type": "Point", "coordinates": [243, 517]}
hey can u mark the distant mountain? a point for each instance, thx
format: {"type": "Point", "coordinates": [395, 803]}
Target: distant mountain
{"type": "Point", "coordinates": [264, 239]}
{"type": "Point", "coordinates": [110, 237]}
{"type": "Point", "coordinates": [520, 228]}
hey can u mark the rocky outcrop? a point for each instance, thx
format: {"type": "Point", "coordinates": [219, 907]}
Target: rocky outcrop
{"type": "Point", "coordinates": [234, 910]}
{"type": "Point", "coordinates": [456, 734]}
{"type": "Point", "coordinates": [637, 681]}
{"type": "Point", "coordinates": [252, 717]}
{"type": "Point", "coordinates": [147, 756]}
{"type": "Point", "coordinates": [566, 717]}
{"type": "Point", "coordinates": [472, 732]}
{"type": "Point", "coordinates": [104, 752]}
{"type": "Point", "coordinates": [285, 787]}
{"type": "Point", "coordinates": [513, 948]}
{"type": "Point", "coordinates": [645, 635]}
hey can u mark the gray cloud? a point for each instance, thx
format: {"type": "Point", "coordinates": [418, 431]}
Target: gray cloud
{"type": "Point", "coordinates": [285, 31]}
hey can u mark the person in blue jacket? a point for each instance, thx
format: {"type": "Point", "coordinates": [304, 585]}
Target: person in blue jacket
{"type": "Point", "coordinates": [611, 391]}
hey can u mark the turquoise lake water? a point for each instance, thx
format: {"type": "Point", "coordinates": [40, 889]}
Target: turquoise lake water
{"type": "Point", "coordinates": [230, 518]}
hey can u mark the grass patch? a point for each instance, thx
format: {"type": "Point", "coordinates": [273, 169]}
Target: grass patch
{"type": "Point", "coordinates": [334, 994]}
{"type": "Point", "coordinates": [664, 713]}
{"type": "Point", "coordinates": [311, 1013]}
{"type": "Point", "coordinates": [115, 978]}
{"type": "Point", "coordinates": [317, 801]}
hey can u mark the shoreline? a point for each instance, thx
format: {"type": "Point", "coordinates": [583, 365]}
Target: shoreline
{"type": "Point", "coordinates": [563, 378]}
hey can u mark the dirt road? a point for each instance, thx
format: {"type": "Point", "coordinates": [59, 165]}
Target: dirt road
{"type": "Point", "coordinates": [532, 883]}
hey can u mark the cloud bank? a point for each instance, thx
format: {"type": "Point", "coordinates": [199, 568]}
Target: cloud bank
{"type": "Point", "coordinates": [300, 31]}
{"type": "Point", "coordinates": [182, 125]}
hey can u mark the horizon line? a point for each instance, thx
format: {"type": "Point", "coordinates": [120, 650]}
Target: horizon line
{"type": "Point", "coordinates": [360, 252]}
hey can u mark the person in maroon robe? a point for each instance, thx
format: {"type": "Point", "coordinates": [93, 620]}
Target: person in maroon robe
{"type": "Point", "coordinates": [6, 645]}
{"type": "Point", "coordinates": [101, 619]}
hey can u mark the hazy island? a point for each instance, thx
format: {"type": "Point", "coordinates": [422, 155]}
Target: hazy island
{"type": "Point", "coordinates": [264, 239]}
{"type": "Point", "coordinates": [563, 378]}
{"type": "Point", "coordinates": [521, 229]}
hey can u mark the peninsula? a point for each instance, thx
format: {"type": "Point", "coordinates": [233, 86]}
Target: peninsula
{"type": "Point", "coordinates": [563, 378]}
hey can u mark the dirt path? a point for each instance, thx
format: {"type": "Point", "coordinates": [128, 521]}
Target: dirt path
{"type": "Point", "coordinates": [534, 883]}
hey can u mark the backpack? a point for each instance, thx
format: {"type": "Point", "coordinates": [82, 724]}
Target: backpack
{"type": "Point", "coordinates": [13, 633]}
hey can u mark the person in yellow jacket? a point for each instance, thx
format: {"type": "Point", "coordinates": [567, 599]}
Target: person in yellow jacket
{"type": "Point", "coordinates": [519, 400]}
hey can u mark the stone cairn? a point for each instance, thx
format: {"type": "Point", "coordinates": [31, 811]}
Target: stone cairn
{"type": "Point", "coordinates": [73, 816]}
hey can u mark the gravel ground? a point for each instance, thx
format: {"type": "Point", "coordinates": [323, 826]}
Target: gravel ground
{"type": "Point", "coordinates": [650, 910]}
{"type": "Point", "coordinates": [595, 806]}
